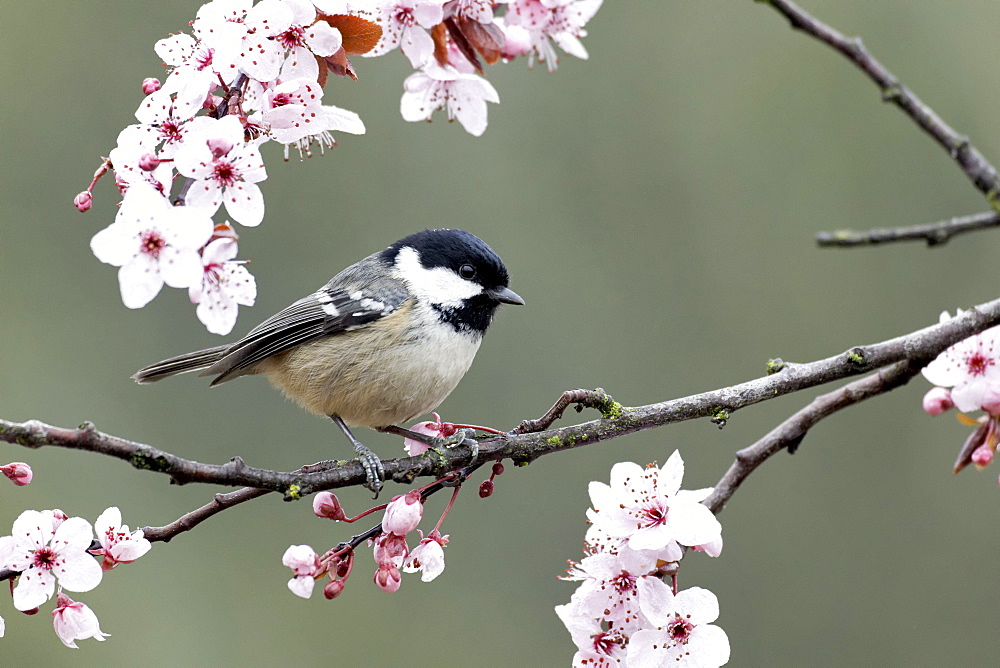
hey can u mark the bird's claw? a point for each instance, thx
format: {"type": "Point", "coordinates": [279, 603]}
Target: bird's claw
{"type": "Point", "coordinates": [374, 471]}
{"type": "Point", "coordinates": [460, 437]}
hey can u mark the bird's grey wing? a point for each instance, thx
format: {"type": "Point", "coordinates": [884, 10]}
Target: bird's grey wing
{"type": "Point", "coordinates": [326, 312]}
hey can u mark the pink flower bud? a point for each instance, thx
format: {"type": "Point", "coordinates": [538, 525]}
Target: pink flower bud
{"type": "Point", "coordinates": [328, 505]}
{"type": "Point", "coordinates": [937, 401]}
{"type": "Point", "coordinates": [403, 514]}
{"type": "Point", "coordinates": [83, 201]}
{"type": "Point", "coordinates": [390, 548]}
{"type": "Point", "coordinates": [429, 428]}
{"type": "Point", "coordinates": [219, 147]}
{"type": "Point", "coordinates": [75, 621]}
{"type": "Point", "coordinates": [19, 473]}
{"type": "Point", "coordinates": [333, 589]}
{"type": "Point", "coordinates": [148, 162]}
{"type": "Point", "coordinates": [982, 456]}
{"type": "Point", "coordinates": [388, 578]}
{"type": "Point", "coordinates": [150, 85]}
{"type": "Point", "coordinates": [486, 489]}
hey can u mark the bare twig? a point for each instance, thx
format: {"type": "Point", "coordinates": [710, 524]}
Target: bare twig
{"type": "Point", "coordinates": [789, 434]}
{"type": "Point", "coordinates": [932, 233]}
{"type": "Point", "coordinates": [979, 170]}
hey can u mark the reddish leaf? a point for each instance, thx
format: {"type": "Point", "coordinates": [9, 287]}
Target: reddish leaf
{"type": "Point", "coordinates": [360, 36]}
{"type": "Point", "coordinates": [458, 37]}
{"type": "Point", "coordinates": [440, 36]}
{"type": "Point", "coordinates": [340, 65]}
{"type": "Point", "coordinates": [487, 39]}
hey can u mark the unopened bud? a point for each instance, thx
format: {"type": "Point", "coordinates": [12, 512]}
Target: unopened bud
{"type": "Point", "coordinates": [937, 401]}
{"type": "Point", "coordinates": [18, 472]}
{"type": "Point", "coordinates": [326, 504]}
{"type": "Point", "coordinates": [333, 589]}
{"type": "Point", "coordinates": [486, 488]}
{"type": "Point", "coordinates": [148, 162]}
{"type": "Point", "coordinates": [150, 85]}
{"type": "Point", "coordinates": [982, 456]}
{"type": "Point", "coordinates": [219, 147]}
{"type": "Point", "coordinates": [83, 201]}
{"type": "Point", "coordinates": [498, 468]}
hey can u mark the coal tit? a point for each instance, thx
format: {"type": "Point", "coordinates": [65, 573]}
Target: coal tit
{"type": "Point", "coordinates": [386, 340]}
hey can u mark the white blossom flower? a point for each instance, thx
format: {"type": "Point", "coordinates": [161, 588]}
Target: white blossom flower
{"type": "Point", "coordinates": [225, 285]}
{"type": "Point", "coordinates": [405, 24]}
{"type": "Point", "coordinates": [75, 621]}
{"type": "Point", "coordinates": [304, 563]}
{"type": "Point", "coordinates": [153, 243]}
{"type": "Point", "coordinates": [225, 169]}
{"type": "Point", "coordinates": [119, 545]}
{"type": "Point", "coordinates": [427, 557]}
{"type": "Point", "coordinates": [648, 507]}
{"type": "Point", "coordinates": [609, 586]}
{"type": "Point", "coordinates": [403, 514]}
{"type": "Point", "coordinates": [971, 368]}
{"type": "Point", "coordinates": [598, 645]}
{"type": "Point", "coordinates": [684, 635]}
{"type": "Point", "coordinates": [42, 554]}
{"type": "Point", "coordinates": [464, 96]}
{"type": "Point", "coordinates": [561, 21]}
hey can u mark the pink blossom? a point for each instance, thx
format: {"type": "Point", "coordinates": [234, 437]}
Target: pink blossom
{"type": "Point", "coordinates": [427, 557]}
{"type": "Point", "coordinates": [118, 545]}
{"type": "Point", "coordinates": [430, 428]}
{"type": "Point", "coordinates": [390, 548]}
{"type": "Point", "coordinates": [83, 201]}
{"type": "Point", "coordinates": [683, 634]}
{"type": "Point", "coordinates": [712, 548]}
{"type": "Point", "coordinates": [647, 508]}
{"type": "Point", "coordinates": [153, 243]}
{"type": "Point", "coordinates": [610, 585]}
{"type": "Point", "coordinates": [46, 548]}
{"type": "Point", "coordinates": [18, 472]}
{"type": "Point", "coordinates": [561, 21]}
{"type": "Point", "coordinates": [403, 514]}
{"type": "Point", "coordinates": [229, 176]}
{"type": "Point", "coordinates": [75, 621]}
{"type": "Point", "coordinates": [225, 285]}
{"type": "Point", "coordinates": [598, 644]}
{"type": "Point", "coordinates": [463, 96]}
{"type": "Point", "coordinates": [304, 563]}
{"type": "Point", "coordinates": [971, 368]}
{"type": "Point", "coordinates": [405, 24]}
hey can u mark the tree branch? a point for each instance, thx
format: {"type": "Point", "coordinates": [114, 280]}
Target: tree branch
{"type": "Point", "coordinates": [617, 420]}
{"type": "Point", "coordinates": [979, 170]}
{"type": "Point", "coordinates": [789, 434]}
{"type": "Point", "coordinates": [933, 233]}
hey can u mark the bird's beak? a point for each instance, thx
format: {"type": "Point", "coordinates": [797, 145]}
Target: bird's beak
{"type": "Point", "coordinates": [507, 296]}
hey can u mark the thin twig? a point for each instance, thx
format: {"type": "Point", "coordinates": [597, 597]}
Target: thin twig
{"type": "Point", "coordinates": [789, 434]}
{"type": "Point", "coordinates": [933, 233]}
{"type": "Point", "coordinates": [979, 170]}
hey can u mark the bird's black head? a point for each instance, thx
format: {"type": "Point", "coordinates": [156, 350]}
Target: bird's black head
{"type": "Point", "coordinates": [456, 273]}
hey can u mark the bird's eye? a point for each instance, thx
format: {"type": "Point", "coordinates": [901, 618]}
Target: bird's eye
{"type": "Point", "coordinates": [467, 271]}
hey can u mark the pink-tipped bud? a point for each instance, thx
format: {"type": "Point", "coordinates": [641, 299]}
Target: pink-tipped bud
{"type": "Point", "coordinates": [18, 472]}
{"type": "Point", "coordinates": [219, 147]}
{"type": "Point", "coordinates": [328, 505]}
{"type": "Point", "coordinates": [148, 162]}
{"type": "Point", "coordinates": [150, 85]}
{"type": "Point", "coordinates": [388, 578]}
{"type": "Point", "coordinates": [486, 488]}
{"type": "Point", "coordinates": [403, 514]}
{"type": "Point", "coordinates": [333, 589]}
{"type": "Point", "coordinates": [83, 201]}
{"type": "Point", "coordinates": [982, 456]}
{"type": "Point", "coordinates": [937, 401]}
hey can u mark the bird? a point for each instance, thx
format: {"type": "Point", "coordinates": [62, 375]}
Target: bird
{"type": "Point", "coordinates": [384, 341]}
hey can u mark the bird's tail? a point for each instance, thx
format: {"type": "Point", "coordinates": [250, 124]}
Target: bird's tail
{"type": "Point", "coordinates": [180, 364]}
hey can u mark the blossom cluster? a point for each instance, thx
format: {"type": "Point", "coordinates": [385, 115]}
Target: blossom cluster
{"type": "Point", "coordinates": [623, 612]}
{"type": "Point", "coordinates": [392, 554]}
{"type": "Point", "coordinates": [250, 73]}
{"type": "Point", "coordinates": [47, 548]}
{"type": "Point", "coordinates": [966, 376]}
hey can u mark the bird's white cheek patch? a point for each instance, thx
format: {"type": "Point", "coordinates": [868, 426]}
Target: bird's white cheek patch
{"type": "Point", "coordinates": [436, 286]}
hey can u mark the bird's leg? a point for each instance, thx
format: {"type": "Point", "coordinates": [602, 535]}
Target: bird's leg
{"type": "Point", "coordinates": [374, 472]}
{"type": "Point", "coordinates": [460, 437]}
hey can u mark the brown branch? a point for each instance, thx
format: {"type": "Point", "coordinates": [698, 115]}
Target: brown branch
{"type": "Point", "coordinates": [789, 434]}
{"type": "Point", "coordinates": [617, 420]}
{"type": "Point", "coordinates": [933, 233]}
{"type": "Point", "coordinates": [979, 170]}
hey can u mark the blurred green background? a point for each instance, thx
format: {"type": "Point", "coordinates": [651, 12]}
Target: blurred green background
{"type": "Point", "coordinates": [656, 206]}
